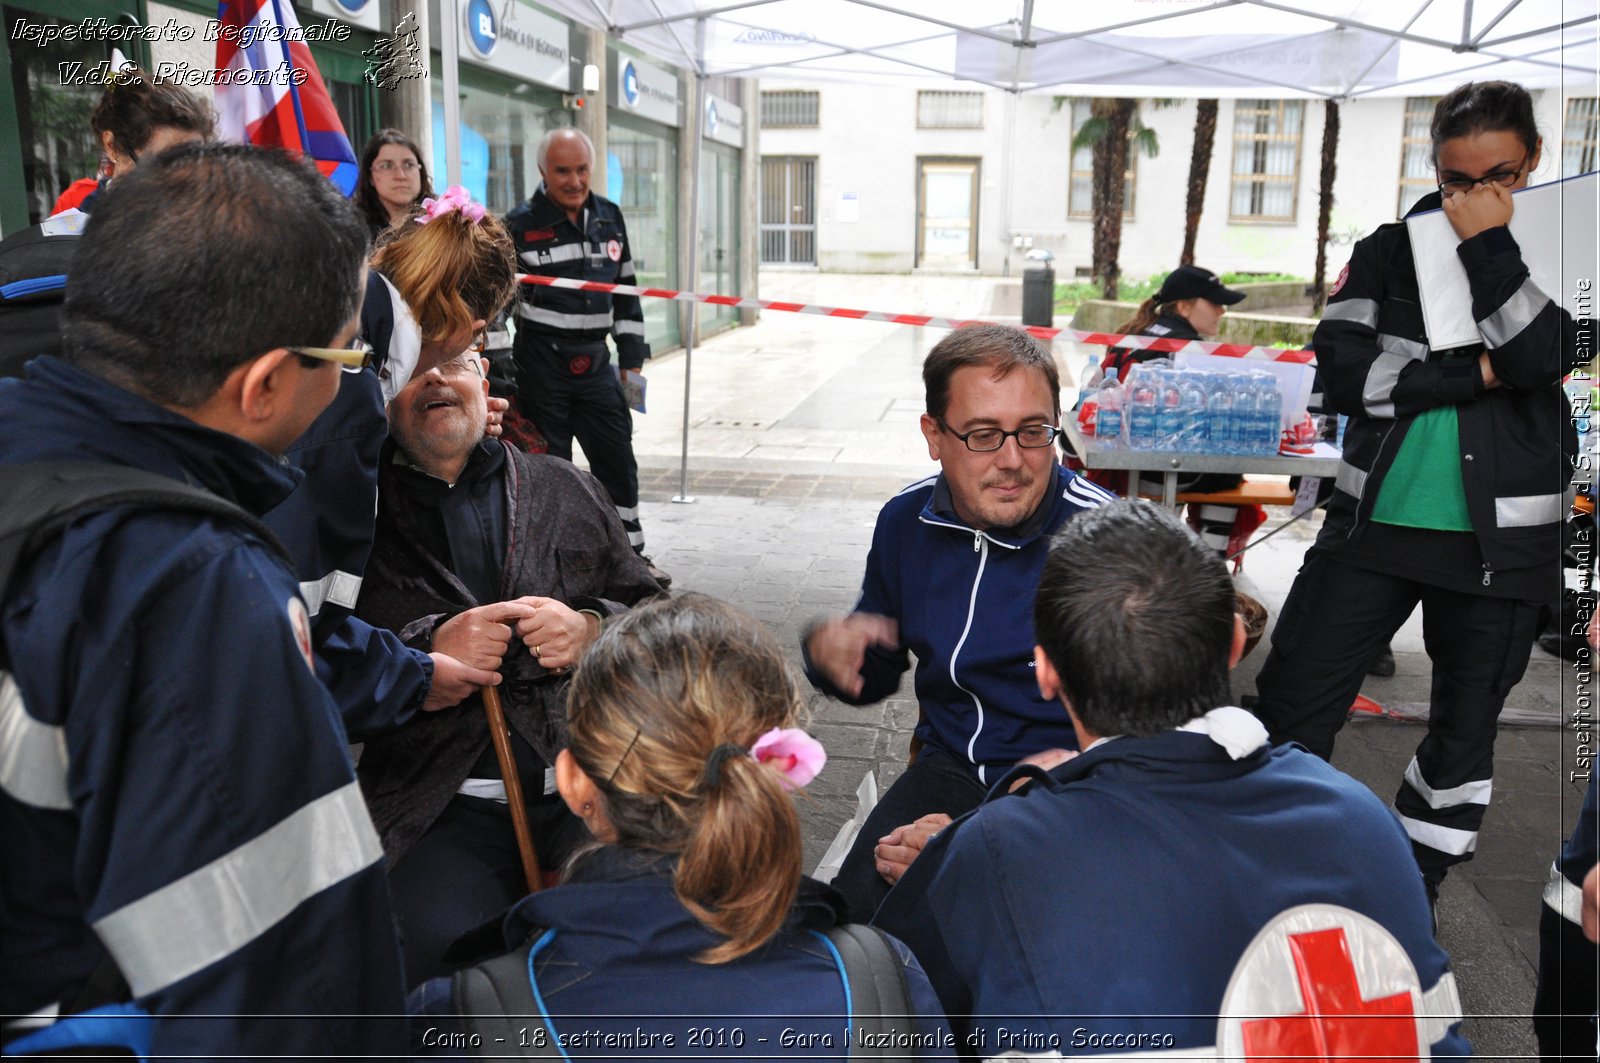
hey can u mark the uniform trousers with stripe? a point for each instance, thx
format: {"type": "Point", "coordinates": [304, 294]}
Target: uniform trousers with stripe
{"type": "Point", "coordinates": [1336, 619]}
{"type": "Point", "coordinates": [587, 406]}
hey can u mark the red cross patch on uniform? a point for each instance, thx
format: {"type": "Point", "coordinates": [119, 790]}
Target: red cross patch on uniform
{"type": "Point", "coordinates": [1324, 982]}
{"type": "Point", "coordinates": [300, 624]}
{"type": "Point", "coordinates": [614, 250]}
{"type": "Point", "coordinates": [579, 365]}
{"type": "Point", "coordinates": [1344, 275]}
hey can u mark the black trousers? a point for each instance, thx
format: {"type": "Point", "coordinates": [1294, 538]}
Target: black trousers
{"type": "Point", "coordinates": [467, 870]}
{"type": "Point", "coordinates": [569, 392]}
{"type": "Point", "coordinates": [1336, 619]}
{"type": "Point", "coordinates": [1564, 1002]}
{"type": "Point", "coordinates": [935, 783]}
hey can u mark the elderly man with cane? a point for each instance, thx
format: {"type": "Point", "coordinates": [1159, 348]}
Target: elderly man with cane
{"type": "Point", "coordinates": [510, 562]}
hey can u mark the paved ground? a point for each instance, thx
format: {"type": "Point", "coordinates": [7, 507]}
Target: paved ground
{"type": "Point", "coordinates": [803, 426]}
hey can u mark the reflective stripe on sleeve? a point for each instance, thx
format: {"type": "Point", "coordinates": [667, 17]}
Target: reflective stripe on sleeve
{"type": "Point", "coordinates": [1351, 480]}
{"type": "Point", "coordinates": [1355, 311]}
{"type": "Point", "coordinates": [1529, 511]}
{"type": "Point", "coordinates": [216, 910]}
{"type": "Point", "coordinates": [570, 322]}
{"type": "Point", "coordinates": [628, 327]}
{"type": "Point", "coordinates": [1564, 896]}
{"type": "Point", "coordinates": [340, 588]}
{"type": "Point", "coordinates": [1469, 793]}
{"type": "Point", "coordinates": [564, 253]}
{"type": "Point", "coordinates": [1408, 349]}
{"type": "Point", "coordinates": [1514, 315]}
{"type": "Point", "coordinates": [33, 755]}
{"type": "Point", "coordinates": [625, 272]}
{"type": "Point", "coordinates": [1378, 394]}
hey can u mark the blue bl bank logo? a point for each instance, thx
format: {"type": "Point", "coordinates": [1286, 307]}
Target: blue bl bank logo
{"type": "Point", "coordinates": [630, 83]}
{"type": "Point", "coordinates": [482, 31]}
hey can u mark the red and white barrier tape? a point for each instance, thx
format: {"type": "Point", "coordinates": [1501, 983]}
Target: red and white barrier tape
{"type": "Point", "coordinates": [1108, 339]}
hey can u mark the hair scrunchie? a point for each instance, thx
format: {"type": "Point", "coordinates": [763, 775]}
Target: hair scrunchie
{"type": "Point", "coordinates": [713, 772]}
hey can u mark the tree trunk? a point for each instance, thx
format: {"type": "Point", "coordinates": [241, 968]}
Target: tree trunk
{"type": "Point", "coordinates": [1110, 179]}
{"type": "Point", "coordinates": [1205, 136]}
{"type": "Point", "coordinates": [1330, 148]}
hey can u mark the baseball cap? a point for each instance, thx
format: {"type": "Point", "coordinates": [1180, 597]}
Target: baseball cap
{"type": "Point", "coordinates": [1193, 282]}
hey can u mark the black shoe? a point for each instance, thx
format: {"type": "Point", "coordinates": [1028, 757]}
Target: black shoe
{"type": "Point", "coordinates": [1383, 663]}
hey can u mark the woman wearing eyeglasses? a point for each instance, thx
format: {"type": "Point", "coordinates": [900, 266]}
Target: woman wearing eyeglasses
{"type": "Point", "coordinates": [393, 181]}
{"type": "Point", "coordinates": [1452, 492]}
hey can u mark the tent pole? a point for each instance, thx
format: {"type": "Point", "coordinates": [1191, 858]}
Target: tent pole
{"type": "Point", "coordinates": [697, 113]}
{"type": "Point", "coordinates": [449, 62]}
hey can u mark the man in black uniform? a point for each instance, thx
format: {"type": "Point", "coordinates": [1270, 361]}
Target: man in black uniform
{"type": "Point", "coordinates": [564, 376]}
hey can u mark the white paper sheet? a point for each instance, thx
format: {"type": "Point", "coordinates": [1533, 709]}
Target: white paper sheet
{"type": "Point", "coordinates": [1554, 224]}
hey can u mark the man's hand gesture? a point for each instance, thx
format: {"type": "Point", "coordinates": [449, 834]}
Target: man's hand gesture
{"type": "Point", "coordinates": [838, 647]}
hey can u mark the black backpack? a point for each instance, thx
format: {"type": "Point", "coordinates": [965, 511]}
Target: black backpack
{"type": "Point", "coordinates": [33, 282]}
{"type": "Point", "coordinates": [42, 498]}
{"type": "Point", "coordinates": [495, 1000]}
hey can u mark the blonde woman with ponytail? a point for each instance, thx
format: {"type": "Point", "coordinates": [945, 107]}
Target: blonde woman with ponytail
{"type": "Point", "coordinates": [687, 928]}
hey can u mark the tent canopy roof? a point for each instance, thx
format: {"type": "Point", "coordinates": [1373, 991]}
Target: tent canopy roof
{"type": "Point", "coordinates": [1307, 48]}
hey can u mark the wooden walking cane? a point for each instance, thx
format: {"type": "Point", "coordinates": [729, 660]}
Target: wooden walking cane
{"type": "Point", "coordinates": [501, 735]}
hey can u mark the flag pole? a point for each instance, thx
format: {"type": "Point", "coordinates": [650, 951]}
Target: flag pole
{"type": "Point", "coordinates": [449, 59]}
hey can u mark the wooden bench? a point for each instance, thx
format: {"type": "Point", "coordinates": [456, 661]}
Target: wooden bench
{"type": "Point", "coordinates": [1248, 493]}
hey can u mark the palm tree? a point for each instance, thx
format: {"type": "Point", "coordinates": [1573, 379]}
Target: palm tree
{"type": "Point", "coordinates": [1112, 125]}
{"type": "Point", "coordinates": [1330, 147]}
{"type": "Point", "coordinates": [1205, 135]}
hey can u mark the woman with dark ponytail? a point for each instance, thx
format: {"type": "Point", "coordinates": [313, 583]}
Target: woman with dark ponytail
{"type": "Point", "coordinates": [689, 917]}
{"type": "Point", "coordinates": [1452, 492]}
{"type": "Point", "coordinates": [1188, 306]}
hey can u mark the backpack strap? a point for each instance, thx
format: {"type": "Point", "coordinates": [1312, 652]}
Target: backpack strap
{"type": "Point", "coordinates": [42, 498]}
{"type": "Point", "coordinates": [875, 981]}
{"type": "Point", "coordinates": [494, 1000]}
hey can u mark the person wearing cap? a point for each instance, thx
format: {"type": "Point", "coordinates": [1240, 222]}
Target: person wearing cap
{"type": "Point", "coordinates": [1188, 306]}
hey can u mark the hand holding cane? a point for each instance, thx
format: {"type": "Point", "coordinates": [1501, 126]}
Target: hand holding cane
{"type": "Point", "coordinates": [501, 737]}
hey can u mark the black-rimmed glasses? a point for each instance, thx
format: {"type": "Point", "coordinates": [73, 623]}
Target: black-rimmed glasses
{"type": "Point", "coordinates": [1503, 178]}
{"type": "Point", "coordinates": [984, 440]}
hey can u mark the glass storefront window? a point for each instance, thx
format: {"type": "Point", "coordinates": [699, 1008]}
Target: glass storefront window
{"type": "Point", "coordinates": [500, 133]}
{"type": "Point", "coordinates": [643, 181]}
{"type": "Point", "coordinates": [53, 118]}
{"type": "Point", "coordinates": [719, 231]}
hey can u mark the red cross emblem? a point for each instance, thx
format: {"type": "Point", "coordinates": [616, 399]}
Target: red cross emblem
{"type": "Point", "coordinates": [1322, 982]}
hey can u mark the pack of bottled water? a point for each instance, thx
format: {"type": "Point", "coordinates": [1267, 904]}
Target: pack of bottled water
{"type": "Point", "coordinates": [1162, 407]}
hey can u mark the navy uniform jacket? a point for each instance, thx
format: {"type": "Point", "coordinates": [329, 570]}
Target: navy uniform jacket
{"type": "Point", "coordinates": [1518, 445]}
{"type": "Point", "coordinates": [1109, 908]}
{"type": "Point", "coordinates": [327, 524]}
{"type": "Point", "coordinates": [964, 603]}
{"type": "Point", "coordinates": [599, 973]}
{"type": "Point", "coordinates": [550, 245]}
{"type": "Point", "coordinates": [175, 787]}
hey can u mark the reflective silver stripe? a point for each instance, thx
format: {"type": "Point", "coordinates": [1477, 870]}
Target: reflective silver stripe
{"type": "Point", "coordinates": [564, 253]}
{"type": "Point", "coordinates": [571, 322]}
{"type": "Point", "coordinates": [340, 588]}
{"type": "Point", "coordinates": [625, 272]}
{"type": "Point", "coordinates": [1470, 793]}
{"type": "Point", "coordinates": [1378, 394]}
{"type": "Point", "coordinates": [1445, 839]}
{"type": "Point", "coordinates": [636, 539]}
{"type": "Point", "coordinates": [214, 911]}
{"type": "Point", "coordinates": [33, 755]}
{"type": "Point", "coordinates": [1529, 511]}
{"type": "Point", "coordinates": [627, 327]}
{"type": "Point", "coordinates": [1514, 315]}
{"type": "Point", "coordinates": [1564, 897]}
{"type": "Point", "coordinates": [1355, 311]}
{"type": "Point", "coordinates": [1441, 1008]}
{"type": "Point", "coordinates": [1408, 349]}
{"type": "Point", "coordinates": [1350, 480]}
{"type": "Point", "coordinates": [627, 512]}
{"type": "Point", "coordinates": [34, 1020]}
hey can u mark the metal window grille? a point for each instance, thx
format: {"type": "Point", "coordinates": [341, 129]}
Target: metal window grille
{"type": "Point", "coordinates": [788, 210]}
{"type": "Point", "coordinates": [949, 110]}
{"type": "Point", "coordinates": [1266, 159]}
{"type": "Point", "coordinates": [1579, 136]}
{"type": "Point", "coordinates": [1417, 177]}
{"type": "Point", "coordinates": [789, 109]}
{"type": "Point", "coordinates": [1080, 190]}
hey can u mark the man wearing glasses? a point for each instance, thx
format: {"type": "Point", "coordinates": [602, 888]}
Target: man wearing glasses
{"type": "Point", "coordinates": [950, 578]}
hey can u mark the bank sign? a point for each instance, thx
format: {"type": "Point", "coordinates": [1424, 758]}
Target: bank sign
{"type": "Point", "coordinates": [518, 39]}
{"type": "Point", "coordinates": [363, 13]}
{"type": "Point", "coordinates": [646, 89]}
{"type": "Point", "coordinates": [724, 121]}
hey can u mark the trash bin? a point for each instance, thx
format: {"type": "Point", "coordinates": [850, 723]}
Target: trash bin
{"type": "Point", "coordinates": [1039, 290]}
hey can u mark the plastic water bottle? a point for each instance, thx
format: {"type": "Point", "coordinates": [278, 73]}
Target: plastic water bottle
{"type": "Point", "coordinates": [1141, 410]}
{"type": "Point", "coordinates": [1269, 407]}
{"type": "Point", "coordinates": [1169, 412]}
{"type": "Point", "coordinates": [1196, 432]}
{"type": "Point", "coordinates": [1219, 413]}
{"type": "Point", "coordinates": [1108, 418]}
{"type": "Point", "coordinates": [1242, 395]}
